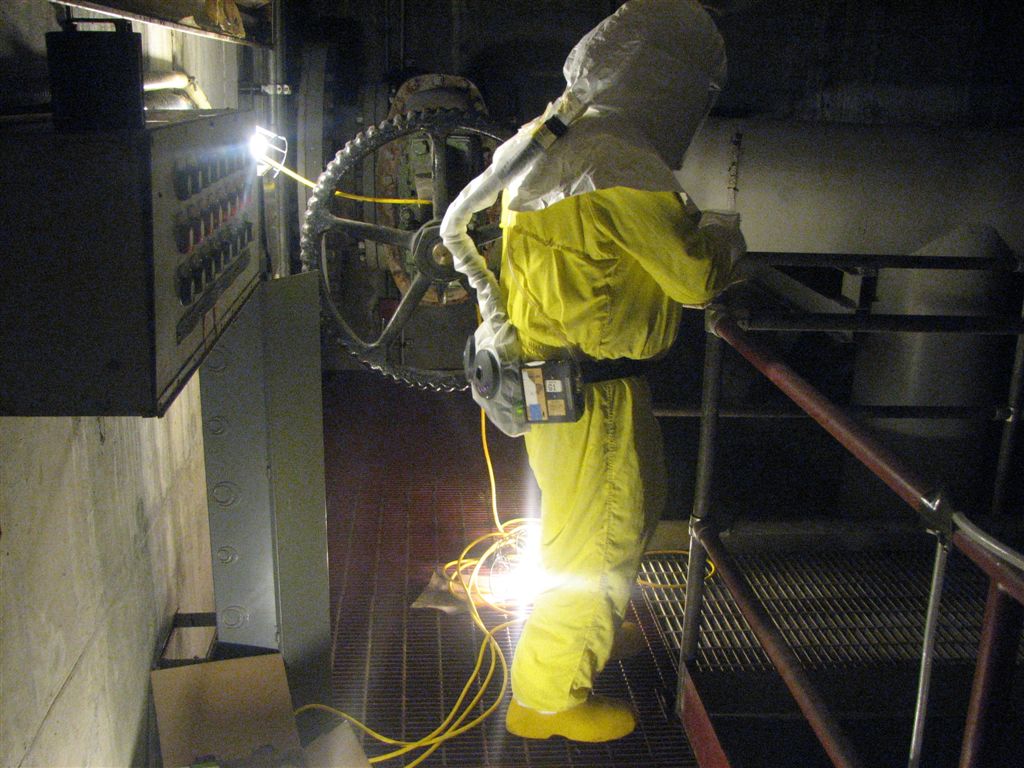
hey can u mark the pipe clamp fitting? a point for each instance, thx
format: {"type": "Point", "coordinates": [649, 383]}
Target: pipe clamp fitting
{"type": "Point", "coordinates": [937, 513]}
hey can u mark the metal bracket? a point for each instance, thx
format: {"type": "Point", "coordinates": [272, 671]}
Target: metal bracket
{"type": "Point", "coordinates": [937, 513]}
{"type": "Point", "coordinates": [276, 89]}
{"type": "Point", "coordinates": [271, 89]}
{"type": "Point", "coordinates": [713, 313]}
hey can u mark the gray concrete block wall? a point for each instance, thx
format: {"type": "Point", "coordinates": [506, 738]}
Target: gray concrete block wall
{"type": "Point", "coordinates": [104, 536]}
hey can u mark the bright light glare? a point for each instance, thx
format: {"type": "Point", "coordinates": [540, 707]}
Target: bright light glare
{"type": "Point", "coordinates": [517, 588]}
{"type": "Point", "coordinates": [258, 146]}
{"type": "Point", "coordinates": [517, 578]}
{"type": "Point", "coordinates": [268, 149]}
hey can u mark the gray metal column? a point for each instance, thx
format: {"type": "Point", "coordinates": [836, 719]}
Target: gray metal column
{"type": "Point", "coordinates": [263, 440]}
{"type": "Point", "coordinates": [710, 402]}
{"type": "Point", "coordinates": [931, 626]}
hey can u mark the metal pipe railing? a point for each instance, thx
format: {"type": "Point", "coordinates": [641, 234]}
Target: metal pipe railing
{"type": "Point", "coordinates": [710, 401]}
{"type": "Point", "coordinates": [1004, 565]}
{"type": "Point", "coordinates": [1010, 580]}
{"type": "Point", "coordinates": [993, 676]}
{"type": "Point", "coordinates": [1015, 401]}
{"type": "Point", "coordinates": [855, 438]}
{"type": "Point", "coordinates": [931, 626]}
{"type": "Point", "coordinates": [880, 323]}
{"type": "Point", "coordinates": [955, 412]}
{"type": "Point", "coordinates": [824, 724]}
{"type": "Point", "coordinates": [887, 261]}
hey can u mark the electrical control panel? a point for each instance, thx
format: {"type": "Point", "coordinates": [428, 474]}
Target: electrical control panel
{"type": "Point", "coordinates": [126, 254]}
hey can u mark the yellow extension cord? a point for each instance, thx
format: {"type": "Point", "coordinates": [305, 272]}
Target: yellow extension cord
{"type": "Point", "coordinates": [347, 195]}
{"type": "Point", "coordinates": [456, 572]}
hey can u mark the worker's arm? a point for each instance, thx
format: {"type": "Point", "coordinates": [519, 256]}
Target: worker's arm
{"type": "Point", "coordinates": [691, 263]}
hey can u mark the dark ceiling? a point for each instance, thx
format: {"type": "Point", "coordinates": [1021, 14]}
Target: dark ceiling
{"type": "Point", "coordinates": [943, 62]}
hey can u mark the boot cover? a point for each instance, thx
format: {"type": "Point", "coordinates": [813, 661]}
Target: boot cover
{"type": "Point", "coordinates": [595, 720]}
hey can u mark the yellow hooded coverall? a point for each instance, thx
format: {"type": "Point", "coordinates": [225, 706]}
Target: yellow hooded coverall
{"type": "Point", "coordinates": [604, 273]}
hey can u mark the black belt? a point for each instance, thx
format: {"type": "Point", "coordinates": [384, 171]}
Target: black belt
{"type": "Point", "coordinates": [594, 371]}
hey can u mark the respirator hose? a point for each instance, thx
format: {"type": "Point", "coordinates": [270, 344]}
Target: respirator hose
{"type": "Point", "coordinates": [511, 160]}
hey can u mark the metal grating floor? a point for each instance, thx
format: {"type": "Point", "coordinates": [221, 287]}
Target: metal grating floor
{"type": "Point", "coordinates": [835, 610]}
{"type": "Point", "coordinates": [406, 490]}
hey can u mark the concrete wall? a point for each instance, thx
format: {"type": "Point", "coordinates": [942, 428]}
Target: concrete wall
{"type": "Point", "coordinates": [104, 536]}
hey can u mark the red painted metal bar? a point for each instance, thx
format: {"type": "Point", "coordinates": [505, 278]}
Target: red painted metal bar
{"type": "Point", "coordinates": [815, 321]}
{"type": "Point", "coordinates": [697, 722]}
{"type": "Point", "coordinates": [855, 438]}
{"type": "Point", "coordinates": [1004, 614]}
{"type": "Point", "coordinates": [814, 707]}
{"type": "Point", "coordinates": [993, 677]}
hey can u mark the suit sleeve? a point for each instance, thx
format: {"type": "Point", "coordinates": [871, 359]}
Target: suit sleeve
{"type": "Point", "coordinates": [654, 229]}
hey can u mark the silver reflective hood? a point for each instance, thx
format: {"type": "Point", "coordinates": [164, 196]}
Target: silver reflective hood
{"type": "Point", "coordinates": [649, 74]}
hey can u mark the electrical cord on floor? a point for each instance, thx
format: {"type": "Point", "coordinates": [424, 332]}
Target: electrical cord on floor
{"type": "Point", "coordinates": [465, 577]}
{"type": "Point", "coordinates": [709, 569]}
{"type": "Point", "coordinates": [502, 551]}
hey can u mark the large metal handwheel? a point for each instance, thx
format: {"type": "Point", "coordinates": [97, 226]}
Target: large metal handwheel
{"type": "Point", "coordinates": [455, 146]}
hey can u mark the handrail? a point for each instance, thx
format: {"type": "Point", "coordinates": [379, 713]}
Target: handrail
{"type": "Point", "coordinates": [824, 724]}
{"type": "Point", "coordinates": [855, 438]}
{"type": "Point", "coordinates": [1006, 262]}
{"type": "Point", "coordinates": [766, 320]}
{"type": "Point", "coordinates": [1003, 565]}
{"type": "Point", "coordinates": [1011, 581]}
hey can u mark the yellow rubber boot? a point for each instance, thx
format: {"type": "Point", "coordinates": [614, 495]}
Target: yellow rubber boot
{"type": "Point", "coordinates": [629, 641]}
{"type": "Point", "coordinates": [597, 719]}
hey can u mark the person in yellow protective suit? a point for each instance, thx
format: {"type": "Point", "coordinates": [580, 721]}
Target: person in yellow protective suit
{"type": "Point", "coordinates": [601, 252]}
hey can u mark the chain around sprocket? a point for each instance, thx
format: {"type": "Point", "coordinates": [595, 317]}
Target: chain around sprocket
{"type": "Point", "coordinates": [437, 123]}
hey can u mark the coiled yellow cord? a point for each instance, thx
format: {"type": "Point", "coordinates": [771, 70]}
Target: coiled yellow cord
{"type": "Point", "coordinates": [463, 576]}
{"type": "Point", "coordinates": [466, 572]}
{"type": "Point", "coordinates": [709, 570]}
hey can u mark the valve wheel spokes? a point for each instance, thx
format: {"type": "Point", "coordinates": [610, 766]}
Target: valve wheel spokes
{"type": "Point", "coordinates": [423, 254]}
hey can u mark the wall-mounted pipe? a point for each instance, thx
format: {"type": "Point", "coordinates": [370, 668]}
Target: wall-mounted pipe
{"type": "Point", "coordinates": [840, 188]}
{"type": "Point", "coordinates": [281, 126]}
{"type": "Point", "coordinates": [176, 81]}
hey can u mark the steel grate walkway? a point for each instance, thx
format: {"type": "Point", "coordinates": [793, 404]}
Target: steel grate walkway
{"type": "Point", "coordinates": [835, 610]}
{"type": "Point", "coordinates": [406, 491]}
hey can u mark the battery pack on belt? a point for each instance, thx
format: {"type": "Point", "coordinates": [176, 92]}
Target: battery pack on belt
{"type": "Point", "coordinates": [553, 389]}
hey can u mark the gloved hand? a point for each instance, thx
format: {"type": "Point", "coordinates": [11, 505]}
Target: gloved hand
{"type": "Point", "coordinates": [723, 229]}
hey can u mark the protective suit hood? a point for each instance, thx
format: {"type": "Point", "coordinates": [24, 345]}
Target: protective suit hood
{"type": "Point", "coordinates": [648, 75]}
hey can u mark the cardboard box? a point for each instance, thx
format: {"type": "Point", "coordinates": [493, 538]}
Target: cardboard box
{"type": "Point", "coordinates": [240, 711]}
{"type": "Point", "coordinates": [337, 748]}
{"type": "Point", "coordinates": [227, 711]}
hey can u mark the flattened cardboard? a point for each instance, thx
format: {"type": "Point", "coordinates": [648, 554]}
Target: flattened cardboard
{"type": "Point", "coordinates": [337, 748]}
{"type": "Point", "coordinates": [225, 709]}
